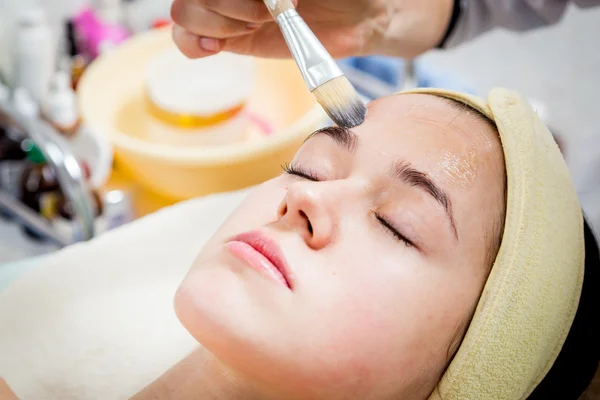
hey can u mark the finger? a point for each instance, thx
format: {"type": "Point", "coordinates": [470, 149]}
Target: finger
{"type": "Point", "coordinates": [243, 10]}
{"type": "Point", "coordinates": [194, 46]}
{"type": "Point", "coordinates": [204, 22]}
{"type": "Point", "coordinates": [5, 392]}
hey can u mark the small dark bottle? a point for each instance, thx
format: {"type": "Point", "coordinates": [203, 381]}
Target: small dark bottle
{"type": "Point", "coordinates": [37, 183]}
{"type": "Point", "coordinates": [10, 146]}
{"type": "Point", "coordinates": [65, 222]}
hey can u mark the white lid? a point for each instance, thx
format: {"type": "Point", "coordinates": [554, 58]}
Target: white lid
{"type": "Point", "coordinates": [25, 103]}
{"type": "Point", "coordinates": [61, 103]}
{"type": "Point", "coordinates": [61, 80]}
{"type": "Point", "coordinates": [32, 16]}
{"type": "Point", "coordinates": [202, 86]}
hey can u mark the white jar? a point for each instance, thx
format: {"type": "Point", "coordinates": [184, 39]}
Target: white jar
{"type": "Point", "coordinates": [198, 102]}
{"type": "Point", "coordinates": [33, 53]}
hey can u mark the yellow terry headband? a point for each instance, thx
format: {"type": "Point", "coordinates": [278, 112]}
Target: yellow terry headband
{"type": "Point", "coordinates": [532, 294]}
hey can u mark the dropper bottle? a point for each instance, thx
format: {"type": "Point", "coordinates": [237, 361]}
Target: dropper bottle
{"type": "Point", "coordinates": [60, 107]}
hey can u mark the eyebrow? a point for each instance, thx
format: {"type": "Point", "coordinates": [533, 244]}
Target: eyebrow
{"type": "Point", "coordinates": [406, 172]}
{"type": "Point", "coordinates": [401, 170]}
{"type": "Point", "coordinates": [347, 139]}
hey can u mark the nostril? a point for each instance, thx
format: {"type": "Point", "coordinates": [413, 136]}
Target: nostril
{"type": "Point", "coordinates": [283, 210]}
{"type": "Point", "coordinates": [309, 226]}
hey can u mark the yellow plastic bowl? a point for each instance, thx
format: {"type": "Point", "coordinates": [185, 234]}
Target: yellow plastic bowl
{"type": "Point", "coordinates": [111, 99]}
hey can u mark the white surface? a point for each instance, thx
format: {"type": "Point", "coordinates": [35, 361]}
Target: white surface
{"type": "Point", "coordinates": [96, 321]}
{"type": "Point", "coordinates": [559, 66]}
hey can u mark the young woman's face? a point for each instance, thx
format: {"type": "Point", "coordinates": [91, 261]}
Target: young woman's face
{"type": "Point", "coordinates": [383, 235]}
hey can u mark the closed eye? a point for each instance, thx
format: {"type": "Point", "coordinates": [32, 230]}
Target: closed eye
{"type": "Point", "coordinates": [393, 231]}
{"type": "Point", "coordinates": [296, 170]}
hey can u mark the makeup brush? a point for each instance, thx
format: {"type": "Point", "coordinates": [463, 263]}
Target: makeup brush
{"type": "Point", "coordinates": [322, 75]}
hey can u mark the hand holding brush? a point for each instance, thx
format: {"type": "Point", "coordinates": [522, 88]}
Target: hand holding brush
{"type": "Point", "coordinates": [359, 27]}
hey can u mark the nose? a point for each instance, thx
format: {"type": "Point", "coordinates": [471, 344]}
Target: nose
{"type": "Point", "coordinates": [306, 209]}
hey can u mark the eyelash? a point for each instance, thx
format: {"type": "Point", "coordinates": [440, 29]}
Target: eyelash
{"type": "Point", "coordinates": [297, 171]}
{"type": "Point", "coordinates": [302, 173]}
{"type": "Point", "coordinates": [393, 231]}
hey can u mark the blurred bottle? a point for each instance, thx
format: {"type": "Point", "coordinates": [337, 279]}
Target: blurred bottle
{"type": "Point", "coordinates": [38, 185]}
{"type": "Point", "coordinates": [62, 213]}
{"type": "Point", "coordinates": [12, 154]}
{"type": "Point", "coordinates": [117, 209]}
{"type": "Point", "coordinates": [12, 138]}
{"type": "Point", "coordinates": [100, 26]}
{"type": "Point", "coordinates": [38, 178]}
{"type": "Point", "coordinates": [76, 61]}
{"type": "Point", "coordinates": [10, 147]}
{"type": "Point", "coordinates": [33, 53]}
{"type": "Point", "coordinates": [60, 107]}
{"type": "Point", "coordinates": [27, 107]}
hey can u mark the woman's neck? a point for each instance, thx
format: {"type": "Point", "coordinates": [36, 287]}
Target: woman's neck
{"type": "Point", "coordinates": [198, 376]}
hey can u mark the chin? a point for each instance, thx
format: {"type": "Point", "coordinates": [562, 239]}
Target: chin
{"type": "Point", "coordinates": [223, 305]}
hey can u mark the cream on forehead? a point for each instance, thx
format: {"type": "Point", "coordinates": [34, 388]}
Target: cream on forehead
{"type": "Point", "coordinates": [458, 164]}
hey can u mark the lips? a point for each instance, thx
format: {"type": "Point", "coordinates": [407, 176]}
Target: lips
{"type": "Point", "coordinates": [262, 254]}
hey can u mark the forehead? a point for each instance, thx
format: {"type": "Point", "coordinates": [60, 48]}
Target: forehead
{"type": "Point", "coordinates": [449, 142]}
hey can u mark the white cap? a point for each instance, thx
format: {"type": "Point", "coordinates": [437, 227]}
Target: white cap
{"type": "Point", "coordinates": [61, 102]}
{"type": "Point", "coordinates": [25, 103]}
{"type": "Point", "coordinates": [60, 81]}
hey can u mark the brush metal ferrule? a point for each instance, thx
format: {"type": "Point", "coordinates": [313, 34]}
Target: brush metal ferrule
{"type": "Point", "coordinates": [314, 61]}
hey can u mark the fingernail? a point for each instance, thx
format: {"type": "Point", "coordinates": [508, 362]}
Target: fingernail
{"type": "Point", "coordinates": [253, 25]}
{"type": "Point", "coordinates": [209, 44]}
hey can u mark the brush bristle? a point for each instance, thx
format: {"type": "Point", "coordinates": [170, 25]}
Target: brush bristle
{"type": "Point", "coordinates": [341, 102]}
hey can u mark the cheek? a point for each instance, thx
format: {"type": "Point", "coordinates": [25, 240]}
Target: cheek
{"type": "Point", "coordinates": [257, 209]}
{"type": "Point", "coordinates": [389, 320]}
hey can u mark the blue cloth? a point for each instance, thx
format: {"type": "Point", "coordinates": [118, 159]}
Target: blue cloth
{"type": "Point", "coordinates": [390, 70]}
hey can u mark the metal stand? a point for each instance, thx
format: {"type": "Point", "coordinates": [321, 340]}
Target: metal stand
{"type": "Point", "coordinates": [68, 172]}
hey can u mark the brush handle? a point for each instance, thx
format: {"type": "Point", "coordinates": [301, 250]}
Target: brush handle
{"type": "Point", "coordinates": [314, 62]}
{"type": "Point", "coordinates": [277, 7]}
